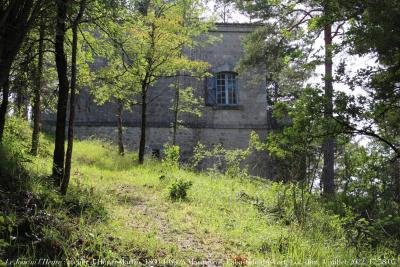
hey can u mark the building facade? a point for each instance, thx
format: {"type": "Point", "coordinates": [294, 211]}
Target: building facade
{"type": "Point", "coordinates": [233, 105]}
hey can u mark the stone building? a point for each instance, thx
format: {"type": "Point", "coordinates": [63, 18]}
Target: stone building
{"type": "Point", "coordinates": [234, 105]}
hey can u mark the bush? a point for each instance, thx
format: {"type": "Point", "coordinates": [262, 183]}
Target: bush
{"type": "Point", "coordinates": [14, 151]}
{"type": "Point", "coordinates": [228, 162]}
{"type": "Point", "coordinates": [178, 189]}
{"type": "Point", "coordinates": [233, 160]}
{"type": "Point", "coordinates": [171, 155]}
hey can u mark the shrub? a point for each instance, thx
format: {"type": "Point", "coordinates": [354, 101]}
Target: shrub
{"type": "Point", "coordinates": [199, 153]}
{"type": "Point", "coordinates": [178, 189]}
{"type": "Point", "coordinates": [171, 155]}
{"type": "Point", "coordinates": [228, 162]}
{"type": "Point", "coordinates": [14, 150]}
{"type": "Point", "coordinates": [233, 160]}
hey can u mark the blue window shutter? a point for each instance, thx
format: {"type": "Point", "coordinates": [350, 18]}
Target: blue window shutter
{"type": "Point", "coordinates": [210, 96]}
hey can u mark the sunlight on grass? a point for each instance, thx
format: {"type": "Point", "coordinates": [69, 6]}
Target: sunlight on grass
{"type": "Point", "coordinates": [222, 218]}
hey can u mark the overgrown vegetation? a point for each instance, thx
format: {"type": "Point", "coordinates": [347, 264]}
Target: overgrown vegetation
{"type": "Point", "coordinates": [178, 189]}
{"type": "Point", "coordinates": [343, 145]}
{"type": "Point", "coordinates": [224, 219]}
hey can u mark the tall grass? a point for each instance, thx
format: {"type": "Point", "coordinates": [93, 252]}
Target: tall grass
{"type": "Point", "coordinates": [116, 209]}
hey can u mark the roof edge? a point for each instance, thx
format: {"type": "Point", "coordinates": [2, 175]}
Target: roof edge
{"type": "Point", "coordinates": [235, 27]}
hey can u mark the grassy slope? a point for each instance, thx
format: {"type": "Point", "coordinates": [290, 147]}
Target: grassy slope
{"type": "Point", "coordinates": [213, 224]}
{"type": "Point", "coordinates": [116, 208]}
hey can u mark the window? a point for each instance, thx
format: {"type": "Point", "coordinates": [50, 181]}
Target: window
{"type": "Point", "coordinates": [222, 89]}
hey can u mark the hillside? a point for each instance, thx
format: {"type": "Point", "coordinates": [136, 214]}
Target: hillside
{"type": "Point", "coordinates": [119, 212]}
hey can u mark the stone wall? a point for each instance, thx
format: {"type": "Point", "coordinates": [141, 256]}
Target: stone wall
{"type": "Point", "coordinates": [229, 126]}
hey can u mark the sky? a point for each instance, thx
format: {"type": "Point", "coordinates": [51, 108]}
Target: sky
{"type": "Point", "coordinates": [234, 17]}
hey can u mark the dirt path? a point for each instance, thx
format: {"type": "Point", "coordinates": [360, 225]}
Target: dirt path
{"type": "Point", "coordinates": [147, 216]}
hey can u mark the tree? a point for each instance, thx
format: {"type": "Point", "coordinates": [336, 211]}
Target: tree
{"type": "Point", "coordinates": [63, 91]}
{"type": "Point", "coordinates": [115, 82]}
{"type": "Point", "coordinates": [307, 20]}
{"type": "Point", "coordinates": [376, 113]}
{"type": "Point", "coordinates": [22, 78]}
{"type": "Point", "coordinates": [4, 105]}
{"type": "Point", "coordinates": [68, 156]}
{"type": "Point", "coordinates": [224, 10]}
{"type": "Point", "coordinates": [150, 49]}
{"type": "Point", "coordinates": [285, 65]}
{"type": "Point", "coordinates": [161, 43]}
{"type": "Point", "coordinates": [62, 161]}
{"type": "Point", "coordinates": [296, 148]}
{"type": "Point", "coordinates": [31, 73]}
{"type": "Point", "coordinates": [38, 90]}
{"type": "Point", "coordinates": [16, 20]}
{"type": "Point", "coordinates": [116, 85]}
{"type": "Point", "coordinates": [184, 102]}
{"type": "Point", "coordinates": [328, 147]}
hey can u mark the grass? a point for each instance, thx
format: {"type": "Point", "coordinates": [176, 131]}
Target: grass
{"type": "Point", "coordinates": [117, 210]}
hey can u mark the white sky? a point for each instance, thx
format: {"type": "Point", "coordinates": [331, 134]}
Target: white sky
{"type": "Point", "coordinates": [235, 16]}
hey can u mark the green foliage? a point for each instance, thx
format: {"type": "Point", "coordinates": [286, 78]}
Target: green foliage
{"type": "Point", "coordinates": [7, 224]}
{"type": "Point", "coordinates": [198, 154]}
{"type": "Point", "coordinates": [233, 160]}
{"type": "Point", "coordinates": [178, 189]}
{"type": "Point", "coordinates": [295, 145]}
{"type": "Point", "coordinates": [107, 218]}
{"type": "Point", "coordinates": [367, 181]}
{"type": "Point", "coordinates": [365, 176]}
{"type": "Point", "coordinates": [255, 143]}
{"type": "Point", "coordinates": [35, 221]}
{"type": "Point", "coordinates": [144, 48]}
{"type": "Point", "coordinates": [171, 156]}
{"type": "Point", "coordinates": [229, 162]}
{"type": "Point", "coordinates": [188, 103]}
{"type": "Point", "coordinates": [287, 65]}
{"type": "Point", "coordinates": [14, 148]}
{"type": "Point", "coordinates": [83, 202]}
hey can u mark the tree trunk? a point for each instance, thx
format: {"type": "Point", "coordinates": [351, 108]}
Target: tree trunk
{"type": "Point", "coordinates": [21, 87]}
{"type": "Point", "coordinates": [396, 176]}
{"type": "Point", "coordinates": [142, 145]}
{"type": "Point", "coordinates": [328, 146]}
{"type": "Point", "coordinates": [143, 6]}
{"type": "Point", "coordinates": [68, 157]}
{"type": "Point", "coordinates": [61, 63]}
{"type": "Point", "coordinates": [38, 85]}
{"type": "Point", "coordinates": [176, 112]}
{"type": "Point", "coordinates": [19, 101]}
{"type": "Point", "coordinates": [120, 109]}
{"type": "Point", "coordinates": [24, 89]}
{"type": "Point", "coordinates": [303, 168]}
{"type": "Point", "coordinates": [3, 108]}
{"type": "Point", "coordinates": [14, 25]}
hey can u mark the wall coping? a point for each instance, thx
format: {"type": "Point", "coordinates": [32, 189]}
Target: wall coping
{"type": "Point", "coordinates": [247, 126]}
{"type": "Point", "coordinates": [235, 27]}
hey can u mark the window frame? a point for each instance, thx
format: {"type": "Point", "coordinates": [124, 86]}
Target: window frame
{"type": "Point", "coordinates": [229, 85]}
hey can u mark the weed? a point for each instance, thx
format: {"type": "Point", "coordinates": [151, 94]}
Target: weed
{"type": "Point", "coordinates": [171, 156]}
{"type": "Point", "coordinates": [116, 209]}
{"type": "Point", "coordinates": [178, 189]}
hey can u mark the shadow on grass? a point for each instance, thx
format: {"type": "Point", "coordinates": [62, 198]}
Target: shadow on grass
{"type": "Point", "coordinates": [35, 220]}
